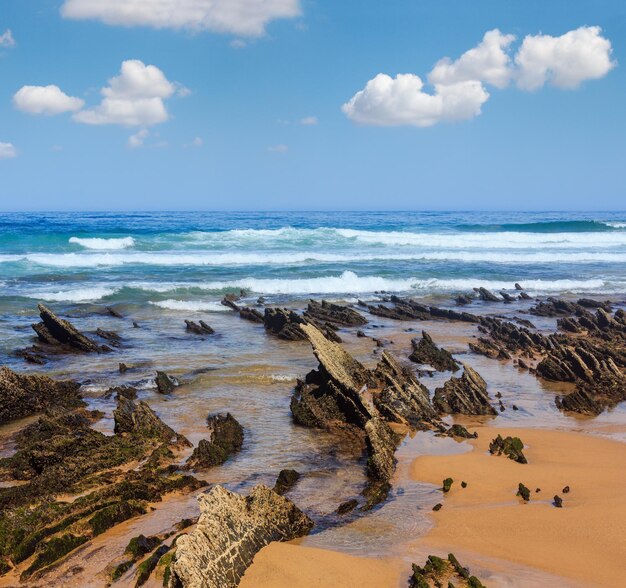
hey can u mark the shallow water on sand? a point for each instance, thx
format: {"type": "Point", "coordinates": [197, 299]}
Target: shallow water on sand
{"type": "Point", "coordinates": [244, 371]}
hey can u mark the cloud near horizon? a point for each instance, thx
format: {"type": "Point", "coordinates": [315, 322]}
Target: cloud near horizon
{"type": "Point", "coordinates": [564, 62]}
{"type": "Point", "coordinates": [246, 18]}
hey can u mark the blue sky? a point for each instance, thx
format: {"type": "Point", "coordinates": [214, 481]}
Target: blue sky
{"type": "Point", "coordinates": [231, 135]}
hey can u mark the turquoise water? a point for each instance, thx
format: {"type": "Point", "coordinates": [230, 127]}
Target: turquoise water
{"type": "Point", "coordinates": [187, 261]}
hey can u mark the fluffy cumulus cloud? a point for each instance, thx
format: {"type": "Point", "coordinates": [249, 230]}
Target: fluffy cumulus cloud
{"type": "Point", "coordinates": [7, 40]}
{"type": "Point", "coordinates": [7, 150]}
{"type": "Point", "coordinates": [387, 101]}
{"type": "Point", "coordinates": [566, 61]}
{"type": "Point", "coordinates": [49, 100]}
{"type": "Point", "coordinates": [239, 17]}
{"type": "Point", "coordinates": [134, 98]}
{"type": "Point", "coordinates": [458, 91]}
{"type": "Point", "coordinates": [488, 62]}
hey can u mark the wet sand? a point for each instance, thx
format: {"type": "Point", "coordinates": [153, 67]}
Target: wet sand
{"type": "Point", "coordinates": [585, 540]}
{"type": "Point", "coordinates": [286, 565]}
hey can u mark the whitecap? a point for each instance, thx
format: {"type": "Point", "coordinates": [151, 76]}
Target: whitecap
{"type": "Point", "coordinates": [103, 244]}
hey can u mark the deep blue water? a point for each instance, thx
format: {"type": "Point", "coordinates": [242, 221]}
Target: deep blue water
{"type": "Point", "coordinates": [188, 260]}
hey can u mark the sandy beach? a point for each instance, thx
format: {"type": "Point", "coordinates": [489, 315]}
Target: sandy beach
{"type": "Point", "coordinates": [585, 540]}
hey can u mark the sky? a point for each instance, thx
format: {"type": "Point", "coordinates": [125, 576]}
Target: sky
{"type": "Point", "coordinates": [312, 105]}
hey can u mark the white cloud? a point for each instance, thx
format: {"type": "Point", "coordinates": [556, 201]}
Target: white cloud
{"type": "Point", "coordinates": [387, 101]}
{"type": "Point", "coordinates": [6, 39]}
{"type": "Point", "coordinates": [137, 140]}
{"type": "Point", "coordinates": [238, 44]}
{"type": "Point", "coordinates": [134, 98]}
{"type": "Point", "coordinates": [49, 100]}
{"type": "Point", "coordinates": [281, 148]}
{"type": "Point", "coordinates": [239, 17]}
{"type": "Point", "coordinates": [309, 120]}
{"type": "Point", "coordinates": [565, 61]}
{"type": "Point", "coordinates": [488, 62]}
{"type": "Point", "coordinates": [7, 150]}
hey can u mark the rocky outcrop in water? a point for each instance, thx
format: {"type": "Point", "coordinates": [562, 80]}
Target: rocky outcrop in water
{"type": "Point", "coordinates": [486, 295]}
{"type": "Point", "coordinates": [165, 384]}
{"type": "Point", "coordinates": [23, 395]}
{"type": "Point", "coordinates": [225, 439]}
{"type": "Point", "coordinates": [53, 330]}
{"type": "Point", "coordinates": [405, 309]}
{"type": "Point", "coordinates": [438, 572]}
{"type": "Point", "coordinates": [465, 395]}
{"type": "Point", "coordinates": [285, 324]}
{"type": "Point", "coordinates": [231, 530]}
{"type": "Point", "coordinates": [345, 397]}
{"type": "Point", "coordinates": [199, 328]}
{"type": "Point", "coordinates": [327, 312]}
{"type": "Point", "coordinates": [286, 480]}
{"type": "Point", "coordinates": [426, 352]}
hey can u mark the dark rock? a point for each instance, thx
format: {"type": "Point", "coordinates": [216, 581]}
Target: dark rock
{"type": "Point", "coordinates": [463, 484]}
{"type": "Point", "coordinates": [113, 312]}
{"type": "Point", "coordinates": [23, 395]}
{"type": "Point", "coordinates": [284, 323]}
{"type": "Point", "coordinates": [327, 312]}
{"type": "Point", "coordinates": [360, 334]}
{"type": "Point", "coordinates": [165, 384]}
{"type": "Point", "coordinates": [518, 287]}
{"type": "Point", "coordinates": [512, 447]}
{"type": "Point", "coordinates": [200, 328]}
{"type": "Point", "coordinates": [286, 480]}
{"type": "Point", "coordinates": [140, 419]}
{"type": "Point", "coordinates": [464, 395]}
{"type": "Point", "coordinates": [507, 297]}
{"type": "Point", "coordinates": [525, 296]}
{"type": "Point", "coordinates": [231, 530]}
{"type": "Point", "coordinates": [226, 438]}
{"type": "Point", "coordinates": [111, 336]}
{"type": "Point", "coordinates": [566, 490]}
{"type": "Point", "coordinates": [346, 507]}
{"type": "Point", "coordinates": [426, 352]}
{"type": "Point", "coordinates": [145, 569]}
{"type": "Point", "coordinates": [463, 300]}
{"type": "Point", "coordinates": [122, 368]}
{"type": "Point", "coordinates": [136, 325]}
{"type": "Point", "coordinates": [447, 484]}
{"type": "Point", "coordinates": [523, 492]}
{"type": "Point", "coordinates": [54, 331]}
{"type": "Point", "coordinates": [437, 507]}
{"type": "Point", "coordinates": [558, 501]}
{"type": "Point", "coordinates": [487, 296]}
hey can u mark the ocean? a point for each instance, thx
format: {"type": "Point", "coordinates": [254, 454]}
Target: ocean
{"type": "Point", "coordinates": [189, 260]}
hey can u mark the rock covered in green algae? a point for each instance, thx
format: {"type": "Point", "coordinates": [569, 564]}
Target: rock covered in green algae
{"type": "Point", "coordinates": [226, 438]}
{"type": "Point", "coordinates": [512, 447]}
{"type": "Point", "coordinates": [61, 454]}
{"type": "Point", "coordinates": [22, 395]}
{"type": "Point", "coordinates": [460, 431]}
{"type": "Point", "coordinates": [439, 572]}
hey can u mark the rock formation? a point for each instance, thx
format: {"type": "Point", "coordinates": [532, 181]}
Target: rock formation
{"type": "Point", "coordinates": [165, 384]}
{"type": "Point", "coordinates": [231, 530]}
{"type": "Point", "coordinates": [465, 395]}
{"type": "Point", "coordinates": [327, 312]}
{"type": "Point", "coordinates": [53, 330]}
{"type": "Point", "coordinates": [225, 438]}
{"type": "Point", "coordinates": [200, 328]}
{"type": "Point", "coordinates": [23, 395]}
{"type": "Point", "coordinates": [512, 447]}
{"type": "Point", "coordinates": [426, 352]}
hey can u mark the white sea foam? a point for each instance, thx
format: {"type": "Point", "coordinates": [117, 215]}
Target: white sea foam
{"type": "Point", "coordinates": [191, 305]}
{"type": "Point", "coordinates": [73, 295]}
{"type": "Point", "coordinates": [70, 260]}
{"type": "Point", "coordinates": [103, 244]}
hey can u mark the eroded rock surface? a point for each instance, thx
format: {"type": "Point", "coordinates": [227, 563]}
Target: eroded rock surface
{"type": "Point", "coordinates": [438, 572]}
{"type": "Point", "coordinates": [225, 438]}
{"type": "Point", "coordinates": [53, 330]}
{"type": "Point", "coordinates": [327, 312]}
{"type": "Point", "coordinates": [22, 395]}
{"type": "Point", "coordinates": [232, 528]}
{"type": "Point", "coordinates": [465, 395]}
{"type": "Point", "coordinates": [426, 352]}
